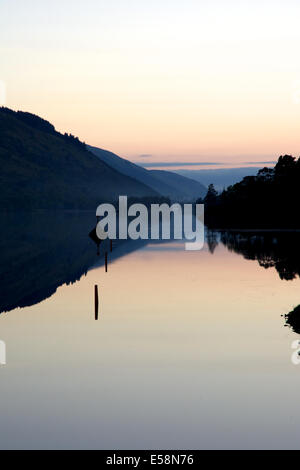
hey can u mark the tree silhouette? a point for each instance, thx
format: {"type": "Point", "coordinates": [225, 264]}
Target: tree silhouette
{"type": "Point", "coordinates": [268, 200]}
{"type": "Point", "coordinates": [211, 195]}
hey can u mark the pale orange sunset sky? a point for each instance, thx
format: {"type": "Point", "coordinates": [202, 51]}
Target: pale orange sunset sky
{"type": "Point", "coordinates": [173, 80]}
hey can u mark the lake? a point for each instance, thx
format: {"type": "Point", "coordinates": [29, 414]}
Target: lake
{"type": "Point", "coordinates": [191, 350]}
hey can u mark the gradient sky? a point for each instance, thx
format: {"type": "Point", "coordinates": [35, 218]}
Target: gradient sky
{"type": "Point", "coordinates": [173, 80]}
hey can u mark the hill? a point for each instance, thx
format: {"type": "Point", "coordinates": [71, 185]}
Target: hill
{"type": "Point", "coordinates": [189, 188]}
{"type": "Point", "coordinates": [44, 169]}
{"type": "Point", "coordinates": [168, 184]}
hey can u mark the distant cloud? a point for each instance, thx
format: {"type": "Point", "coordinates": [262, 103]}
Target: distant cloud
{"type": "Point", "coordinates": [145, 155]}
{"type": "Point", "coordinates": [261, 163]}
{"type": "Point", "coordinates": [174, 164]}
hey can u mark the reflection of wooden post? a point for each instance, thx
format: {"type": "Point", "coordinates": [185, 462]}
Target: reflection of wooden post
{"type": "Point", "coordinates": [2, 353]}
{"type": "Point", "coordinates": [110, 245]}
{"type": "Point", "coordinates": [106, 261]}
{"type": "Point", "coordinates": [96, 303]}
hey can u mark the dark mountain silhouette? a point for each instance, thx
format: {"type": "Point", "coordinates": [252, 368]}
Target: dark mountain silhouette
{"type": "Point", "coordinates": [268, 200]}
{"type": "Point", "coordinates": [167, 183]}
{"type": "Point", "coordinates": [43, 169]}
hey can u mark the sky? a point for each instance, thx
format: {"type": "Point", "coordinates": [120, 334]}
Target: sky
{"type": "Point", "coordinates": [163, 81]}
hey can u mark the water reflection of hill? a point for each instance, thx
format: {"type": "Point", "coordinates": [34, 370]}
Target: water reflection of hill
{"type": "Point", "coordinates": [41, 251]}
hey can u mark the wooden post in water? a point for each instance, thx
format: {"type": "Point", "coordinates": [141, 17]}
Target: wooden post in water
{"type": "Point", "coordinates": [106, 261]}
{"type": "Point", "coordinates": [96, 302]}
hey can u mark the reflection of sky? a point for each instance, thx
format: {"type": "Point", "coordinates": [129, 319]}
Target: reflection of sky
{"type": "Point", "coordinates": [189, 352]}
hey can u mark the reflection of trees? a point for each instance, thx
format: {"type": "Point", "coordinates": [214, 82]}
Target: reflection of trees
{"type": "Point", "coordinates": [278, 250]}
{"type": "Point", "coordinates": [293, 319]}
{"type": "Point", "coordinates": [271, 250]}
{"type": "Point", "coordinates": [212, 240]}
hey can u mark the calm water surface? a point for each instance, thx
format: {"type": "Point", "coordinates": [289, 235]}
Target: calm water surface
{"type": "Point", "coordinates": [190, 349]}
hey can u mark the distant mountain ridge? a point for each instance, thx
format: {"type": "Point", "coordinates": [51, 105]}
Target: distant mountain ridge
{"type": "Point", "coordinates": [220, 177]}
{"type": "Point", "coordinates": [167, 183]}
{"type": "Point", "coordinates": [188, 187]}
{"type": "Point", "coordinates": [44, 169]}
